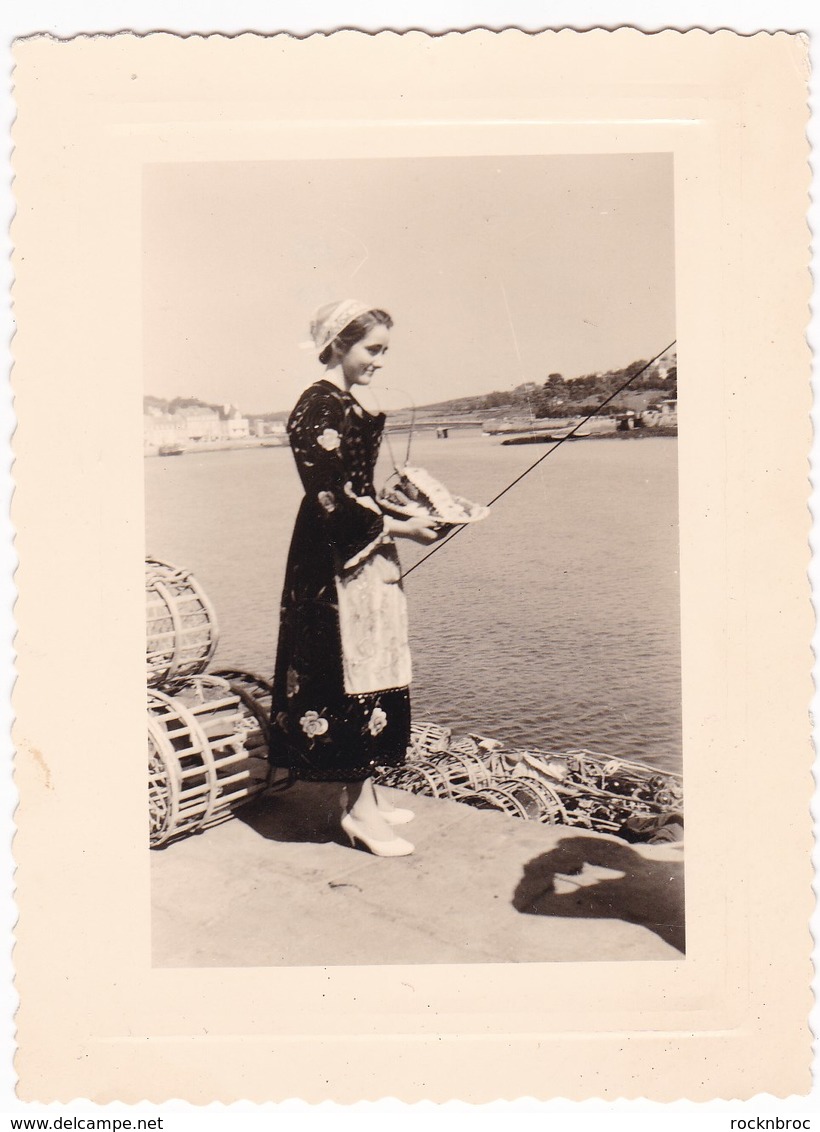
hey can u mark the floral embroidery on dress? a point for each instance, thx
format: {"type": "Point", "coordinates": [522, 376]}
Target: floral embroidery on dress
{"type": "Point", "coordinates": [313, 724]}
{"type": "Point", "coordinates": [362, 721]}
{"type": "Point", "coordinates": [377, 722]}
{"type": "Point", "coordinates": [329, 440]}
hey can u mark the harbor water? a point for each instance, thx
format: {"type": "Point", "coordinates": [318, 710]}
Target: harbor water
{"type": "Point", "coordinates": [552, 624]}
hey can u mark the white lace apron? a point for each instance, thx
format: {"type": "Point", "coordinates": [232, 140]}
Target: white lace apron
{"type": "Point", "coordinates": [373, 625]}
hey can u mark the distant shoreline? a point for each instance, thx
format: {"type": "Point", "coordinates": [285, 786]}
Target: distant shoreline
{"type": "Point", "coordinates": [192, 447]}
{"type": "Point", "coordinates": [597, 428]}
{"type": "Point", "coordinates": [609, 432]}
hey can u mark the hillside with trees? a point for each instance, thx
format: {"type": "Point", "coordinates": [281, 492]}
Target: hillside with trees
{"type": "Point", "coordinates": [558, 396]}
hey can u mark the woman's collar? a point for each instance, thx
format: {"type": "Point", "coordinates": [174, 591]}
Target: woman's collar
{"type": "Point", "coordinates": [348, 393]}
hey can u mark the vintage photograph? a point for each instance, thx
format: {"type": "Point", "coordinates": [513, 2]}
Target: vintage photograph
{"type": "Point", "coordinates": [346, 380]}
{"type": "Point", "coordinates": [412, 560]}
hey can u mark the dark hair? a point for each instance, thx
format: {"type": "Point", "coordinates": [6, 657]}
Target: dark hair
{"type": "Point", "coordinates": [354, 332]}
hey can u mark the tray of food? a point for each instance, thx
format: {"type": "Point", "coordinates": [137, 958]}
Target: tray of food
{"type": "Point", "coordinates": [413, 492]}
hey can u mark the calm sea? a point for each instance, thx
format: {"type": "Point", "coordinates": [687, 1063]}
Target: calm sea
{"type": "Point", "coordinates": [552, 624]}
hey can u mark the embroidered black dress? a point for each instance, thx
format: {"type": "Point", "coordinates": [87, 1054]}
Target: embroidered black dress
{"type": "Point", "coordinates": [341, 704]}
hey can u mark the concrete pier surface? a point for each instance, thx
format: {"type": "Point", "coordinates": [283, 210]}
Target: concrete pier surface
{"type": "Point", "coordinates": [279, 886]}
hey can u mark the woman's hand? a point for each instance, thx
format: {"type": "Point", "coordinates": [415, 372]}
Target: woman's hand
{"type": "Point", "coordinates": [420, 528]}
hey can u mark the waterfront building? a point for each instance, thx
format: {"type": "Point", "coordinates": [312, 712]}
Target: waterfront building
{"type": "Point", "coordinates": [163, 429]}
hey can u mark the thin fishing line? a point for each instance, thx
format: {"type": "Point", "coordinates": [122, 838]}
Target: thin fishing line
{"type": "Point", "coordinates": [520, 362]}
{"type": "Point", "coordinates": [512, 329]}
{"type": "Point", "coordinates": [410, 432]}
{"type": "Point", "coordinates": [517, 351]}
{"type": "Point", "coordinates": [549, 452]}
{"type": "Point", "coordinates": [404, 393]}
{"type": "Point", "coordinates": [396, 468]}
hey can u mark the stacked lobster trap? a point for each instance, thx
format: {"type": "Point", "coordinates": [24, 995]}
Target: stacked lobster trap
{"type": "Point", "coordinates": [207, 732]}
{"type": "Point", "coordinates": [208, 745]}
{"type": "Point", "coordinates": [579, 788]}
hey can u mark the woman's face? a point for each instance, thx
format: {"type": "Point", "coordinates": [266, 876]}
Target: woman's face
{"type": "Point", "coordinates": [366, 356]}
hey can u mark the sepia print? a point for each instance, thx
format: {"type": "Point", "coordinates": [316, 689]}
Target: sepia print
{"type": "Point", "coordinates": [408, 399]}
{"type": "Point", "coordinates": [527, 297]}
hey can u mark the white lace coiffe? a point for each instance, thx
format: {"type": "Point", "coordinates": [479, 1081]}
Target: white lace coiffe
{"type": "Point", "coordinates": [331, 319]}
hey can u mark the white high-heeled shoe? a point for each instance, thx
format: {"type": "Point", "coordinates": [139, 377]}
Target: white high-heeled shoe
{"type": "Point", "coordinates": [394, 847]}
{"type": "Point", "coordinates": [395, 816]}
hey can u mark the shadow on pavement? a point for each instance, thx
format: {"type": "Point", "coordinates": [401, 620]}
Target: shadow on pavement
{"type": "Point", "coordinates": [308, 811]}
{"type": "Point", "coordinates": [594, 878]}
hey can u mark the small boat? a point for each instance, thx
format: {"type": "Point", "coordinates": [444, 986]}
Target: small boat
{"type": "Point", "coordinates": [170, 450]}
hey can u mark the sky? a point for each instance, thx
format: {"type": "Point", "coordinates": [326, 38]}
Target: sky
{"type": "Point", "coordinates": [496, 270]}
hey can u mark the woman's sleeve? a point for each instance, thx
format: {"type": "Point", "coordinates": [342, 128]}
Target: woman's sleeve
{"type": "Point", "coordinates": [354, 524]}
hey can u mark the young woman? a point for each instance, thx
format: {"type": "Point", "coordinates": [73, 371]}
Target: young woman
{"type": "Point", "coordinates": [341, 703]}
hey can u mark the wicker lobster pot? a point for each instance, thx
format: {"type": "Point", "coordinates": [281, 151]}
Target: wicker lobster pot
{"type": "Point", "coordinates": [523, 797]}
{"type": "Point", "coordinates": [181, 629]}
{"type": "Point", "coordinates": [428, 739]}
{"type": "Point", "coordinates": [463, 772]}
{"type": "Point", "coordinates": [420, 777]}
{"type": "Point", "coordinates": [207, 754]}
{"type": "Point", "coordinates": [255, 690]}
